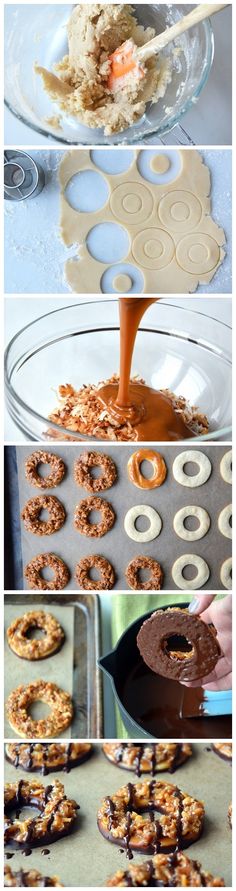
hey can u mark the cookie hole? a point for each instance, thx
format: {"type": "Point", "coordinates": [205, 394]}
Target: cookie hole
{"type": "Point", "coordinates": [94, 517]}
{"type": "Point", "coordinates": [189, 572]}
{"type": "Point", "coordinates": [122, 279]}
{"type": "Point", "coordinates": [43, 515]}
{"type": "Point", "coordinates": [159, 167]}
{"type": "Point", "coordinates": [112, 161]}
{"type": "Point", "coordinates": [191, 468]}
{"type": "Point", "coordinates": [87, 191]}
{"type": "Point", "coordinates": [95, 472]}
{"type": "Point", "coordinates": [38, 710]}
{"type": "Point", "coordinates": [47, 573]}
{"type": "Point", "coordinates": [108, 242]}
{"type": "Point", "coordinates": [146, 469]}
{"type": "Point", "coordinates": [43, 470]}
{"type": "Point", "coordinates": [230, 521]}
{"type": "Point", "coordinates": [34, 633]}
{"type": "Point", "coordinates": [25, 813]}
{"type": "Point", "coordinates": [143, 575]}
{"type": "Point", "coordinates": [177, 643]}
{"type": "Point", "coordinates": [94, 574]}
{"type": "Point", "coordinates": [142, 524]}
{"type": "Point", "coordinates": [191, 523]}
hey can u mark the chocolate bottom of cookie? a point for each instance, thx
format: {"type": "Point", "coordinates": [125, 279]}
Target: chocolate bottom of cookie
{"type": "Point", "coordinates": [221, 754]}
{"type": "Point", "coordinates": [48, 838]}
{"type": "Point", "coordinates": [165, 848]}
{"type": "Point", "coordinates": [45, 770]}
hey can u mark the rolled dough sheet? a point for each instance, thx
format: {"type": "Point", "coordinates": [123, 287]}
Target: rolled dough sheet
{"type": "Point", "coordinates": [172, 240]}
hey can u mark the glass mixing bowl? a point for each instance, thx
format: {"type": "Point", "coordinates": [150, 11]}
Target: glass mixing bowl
{"type": "Point", "coordinates": [37, 33]}
{"type": "Point", "coordinates": [177, 348]}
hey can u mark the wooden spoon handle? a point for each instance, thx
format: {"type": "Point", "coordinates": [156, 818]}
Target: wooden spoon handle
{"type": "Point", "coordinates": [198, 14]}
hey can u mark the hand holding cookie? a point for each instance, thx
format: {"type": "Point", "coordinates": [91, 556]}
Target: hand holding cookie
{"type": "Point", "coordinates": [219, 613]}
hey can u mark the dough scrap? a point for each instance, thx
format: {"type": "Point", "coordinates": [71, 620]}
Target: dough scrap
{"type": "Point", "coordinates": [80, 84]}
{"type": "Point", "coordinates": [173, 242]}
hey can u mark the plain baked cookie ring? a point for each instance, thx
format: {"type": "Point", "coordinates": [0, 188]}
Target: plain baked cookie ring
{"type": "Point", "coordinates": [178, 645]}
{"type": "Point", "coordinates": [105, 569]}
{"type": "Point", "coordinates": [226, 573]}
{"type": "Point", "coordinates": [201, 566]}
{"type": "Point", "coordinates": [47, 757]}
{"type": "Point", "coordinates": [83, 511]}
{"type": "Point", "coordinates": [31, 878]}
{"type": "Point", "coordinates": [142, 510]}
{"type": "Point", "coordinates": [53, 479]}
{"type": "Point", "coordinates": [35, 648]}
{"type": "Point", "coordinates": [34, 578]}
{"type": "Point", "coordinates": [20, 700]}
{"type": "Point", "coordinates": [174, 819]}
{"type": "Point", "coordinates": [147, 757]}
{"type": "Point", "coordinates": [226, 467]}
{"type": "Point", "coordinates": [158, 465]}
{"type": "Point", "coordinates": [32, 510]}
{"type": "Point", "coordinates": [57, 813]}
{"type": "Point", "coordinates": [83, 476]}
{"type": "Point", "coordinates": [196, 457]}
{"type": "Point", "coordinates": [155, 580]}
{"type": "Point", "coordinates": [224, 521]}
{"type": "Point", "coordinates": [175, 870]}
{"type": "Point", "coordinates": [191, 510]}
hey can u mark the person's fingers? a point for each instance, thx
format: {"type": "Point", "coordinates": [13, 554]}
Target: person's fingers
{"type": "Point", "coordinates": [200, 603]}
{"type": "Point", "coordinates": [224, 683]}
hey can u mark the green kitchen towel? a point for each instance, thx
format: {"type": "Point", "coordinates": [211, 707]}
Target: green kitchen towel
{"type": "Point", "coordinates": [128, 607]}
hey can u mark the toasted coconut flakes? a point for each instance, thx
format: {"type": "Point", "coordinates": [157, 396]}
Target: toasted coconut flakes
{"type": "Point", "coordinates": [80, 411]}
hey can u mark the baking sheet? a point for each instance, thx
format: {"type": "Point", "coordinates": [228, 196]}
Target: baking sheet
{"type": "Point", "coordinates": [74, 668]}
{"type": "Point", "coordinates": [86, 859]}
{"type": "Point", "coordinates": [116, 545]}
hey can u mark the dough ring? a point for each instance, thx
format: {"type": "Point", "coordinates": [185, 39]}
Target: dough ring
{"type": "Point", "coordinates": [147, 757]}
{"type": "Point", "coordinates": [226, 573]}
{"type": "Point", "coordinates": [178, 645]}
{"type": "Point", "coordinates": [230, 809]}
{"type": "Point", "coordinates": [142, 510]}
{"type": "Point", "coordinates": [46, 757]}
{"type": "Point", "coordinates": [196, 457]}
{"type": "Point", "coordinates": [118, 818]}
{"type": "Point", "coordinates": [56, 818]}
{"type": "Point", "coordinates": [166, 871]}
{"type": "Point", "coordinates": [158, 465]}
{"type": "Point", "coordinates": [31, 878]}
{"type": "Point", "coordinates": [33, 575]}
{"type": "Point", "coordinates": [35, 648]}
{"type": "Point", "coordinates": [200, 579]}
{"type": "Point", "coordinates": [224, 750]}
{"type": "Point", "coordinates": [155, 580]}
{"type": "Point", "coordinates": [107, 575]}
{"type": "Point", "coordinates": [191, 510]}
{"type": "Point", "coordinates": [32, 510]}
{"type": "Point", "coordinates": [83, 476]}
{"type": "Point", "coordinates": [54, 478]}
{"type": "Point", "coordinates": [223, 521]}
{"type": "Point", "coordinates": [82, 512]}
{"type": "Point", "coordinates": [20, 700]}
{"type": "Point", "coordinates": [226, 467]}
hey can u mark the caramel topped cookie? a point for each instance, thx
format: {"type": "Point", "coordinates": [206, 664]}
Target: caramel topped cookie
{"type": "Point", "coordinates": [57, 813]}
{"type": "Point", "coordinates": [148, 757]}
{"type": "Point", "coordinates": [167, 871]}
{"type": "Point", "coordinates": [35, 648]}
{"type": "Point", "coordinates": [178, 645]}
{"type": "Point", "coordinates": [31, 878]}
{"type": "Point", "coordinates": [19, 703]}
{"type": "Point", "coordinates": [47, 757]}
{"type": "Point", "coordinates": [151, 817]}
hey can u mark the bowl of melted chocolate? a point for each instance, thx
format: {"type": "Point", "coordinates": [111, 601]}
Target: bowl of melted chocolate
{"type": "Point", "coordinates": [152, 706]}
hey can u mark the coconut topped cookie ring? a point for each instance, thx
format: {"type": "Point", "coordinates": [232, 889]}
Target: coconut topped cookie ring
{"type": "Point", "coordinates": [57, 813]}
{"type": "Point", "coordinates": [178, 645]}
{"type": "Point", "coordinates": [151, 817]}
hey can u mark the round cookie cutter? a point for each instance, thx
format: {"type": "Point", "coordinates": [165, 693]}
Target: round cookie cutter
{"type": "Point", "coordinates": [23, 178]}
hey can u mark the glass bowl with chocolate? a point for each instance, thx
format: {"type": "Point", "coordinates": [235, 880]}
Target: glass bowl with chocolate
{"type": "Point", "coordinates": [137, 369]}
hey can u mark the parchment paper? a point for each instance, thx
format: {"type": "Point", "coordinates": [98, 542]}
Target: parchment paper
{"type": "Point", "coordinates": [119, 549]}
{"type": "Point", "coordinates": [86, 859]}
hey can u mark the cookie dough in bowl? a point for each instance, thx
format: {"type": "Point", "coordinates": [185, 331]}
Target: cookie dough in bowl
{"type": "Point", "coordinates": [79, 85]}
